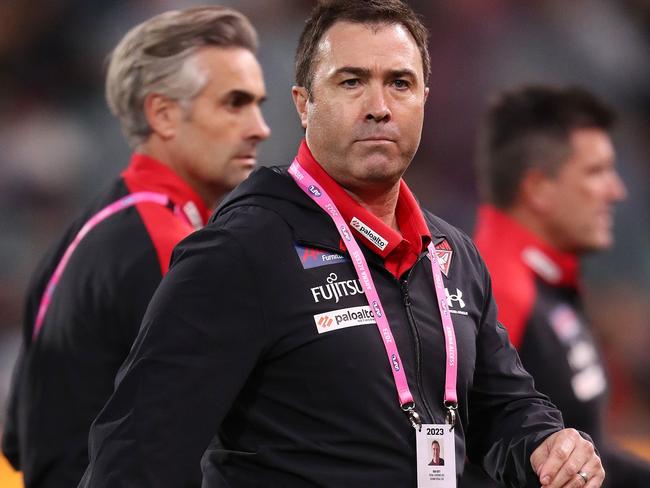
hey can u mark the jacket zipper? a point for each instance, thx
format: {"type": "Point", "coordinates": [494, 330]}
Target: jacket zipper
{"type": "Point", "coordinates": [403, 284]}
{"type": "Point", "coordinates": [416, 339]}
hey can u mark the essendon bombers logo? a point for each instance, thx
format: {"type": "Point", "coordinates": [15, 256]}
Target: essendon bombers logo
{"type": "Point", "coordinates": [444, 254]}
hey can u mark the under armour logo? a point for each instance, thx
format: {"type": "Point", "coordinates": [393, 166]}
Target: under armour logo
{"type": "Point", "coordinates": [457, 297]}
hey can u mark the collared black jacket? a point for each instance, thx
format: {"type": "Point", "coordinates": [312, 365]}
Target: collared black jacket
{"type": "Point", "coordinates": [64, 376]}
{"type": "Point", "coordinates": [229, 345]}
{"type": "Point", "coordinates": [535, 286]}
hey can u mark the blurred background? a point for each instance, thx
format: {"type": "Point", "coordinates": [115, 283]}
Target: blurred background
{"type": "Point", "coordinates": [59, 144]}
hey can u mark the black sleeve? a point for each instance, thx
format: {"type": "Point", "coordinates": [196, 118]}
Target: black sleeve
{"type": "Point", "coordinates": [201, 336]}
{"type": "Point", "coordinates": [508, 418]}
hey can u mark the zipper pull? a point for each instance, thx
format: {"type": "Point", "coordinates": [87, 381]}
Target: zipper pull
{"type": "Point", "coordinates": [405, 292]}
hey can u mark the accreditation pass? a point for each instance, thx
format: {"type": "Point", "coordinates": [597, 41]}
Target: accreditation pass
{"type": "Point", "coordinates": [436, 456]}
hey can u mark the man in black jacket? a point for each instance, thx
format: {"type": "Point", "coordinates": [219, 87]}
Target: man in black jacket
{"type": "Point", "coordinates": [548, 175]}
{"type": "Point", "coordinates": [186, 87]}
{"type": "Point", "coordinates": [310, 324]}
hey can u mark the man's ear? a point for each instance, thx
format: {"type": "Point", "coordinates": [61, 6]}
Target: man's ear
{"type": "Point", "coordinates": [537, 190]}
{"type": "Point", "coordinates": [300, 99]}
{"type": "Point", "coordinates": [426, 93]}
{"type": "Point", "coordinates": [163, 114]}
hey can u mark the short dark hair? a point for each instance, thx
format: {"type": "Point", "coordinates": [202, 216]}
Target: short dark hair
{"type": "Point", "coordinates": [530, 127]}
{"type": "Point", "coordinates": [328, 12]}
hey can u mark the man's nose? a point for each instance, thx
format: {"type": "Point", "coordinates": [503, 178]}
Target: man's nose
{"type": "Point", "coordinates": [259, 129]}
{"type": "Point", "coordinates": [617, 188]}
{"type": "Point", "coordinates": [377, 108]}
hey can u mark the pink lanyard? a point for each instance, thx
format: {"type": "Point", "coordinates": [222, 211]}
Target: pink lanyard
{"type": "Point", "coordinates": [322, 199]}
{"type": "Point", "coordinates": [103, 214]}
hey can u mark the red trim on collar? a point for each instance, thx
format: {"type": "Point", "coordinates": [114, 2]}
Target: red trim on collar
{"type": "Point", "coordinates": [145, 173]}
{"type": "Point", "coordinates": [498, 228]}
{"type": "Point", "coordinates": [401, 251]}
{"type": "Point", "coordinates": [503, 243]}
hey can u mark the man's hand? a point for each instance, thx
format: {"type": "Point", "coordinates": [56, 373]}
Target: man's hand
{"type": "Point", "coordinates": [566, 460]}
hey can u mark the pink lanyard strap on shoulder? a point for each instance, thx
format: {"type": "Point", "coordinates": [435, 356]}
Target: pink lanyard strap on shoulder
{"type": "Point", "coordinates": [323, 200]}
{"type": "Point", "coordinates": [103, 214]}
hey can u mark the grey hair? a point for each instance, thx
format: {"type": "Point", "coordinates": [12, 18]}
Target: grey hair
{"type": "Point", "coordinates": [157, 57]}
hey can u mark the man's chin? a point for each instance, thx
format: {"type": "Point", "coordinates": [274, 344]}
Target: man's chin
{"type": "Point", "coordinates": [245, 162]}
{"type": "Point", "coordinates": [596, 244]}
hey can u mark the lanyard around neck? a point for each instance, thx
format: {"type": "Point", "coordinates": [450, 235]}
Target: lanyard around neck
{"type": "Point", "coordinates": [111, 209]}
{"type": "Point", "coordinates": [323, 200]}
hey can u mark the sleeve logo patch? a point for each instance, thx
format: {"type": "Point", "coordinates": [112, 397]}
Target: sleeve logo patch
{"type": "Point", "coordinates": [343, 318]}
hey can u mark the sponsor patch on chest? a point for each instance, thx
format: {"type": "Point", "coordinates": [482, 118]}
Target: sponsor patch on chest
{"type": "Point", "coordinates": [344, 317]}
{"type": "Point", "coordinates": [565, 323]}
{"type": "Point", "coordinates": [335, 289]}
{"type": "Point", "coordinates": [455, 301]}
{"type": "Point", "coordinates": [313, 258]}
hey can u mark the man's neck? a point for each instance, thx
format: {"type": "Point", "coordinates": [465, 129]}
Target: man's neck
{"type": "Point", "coordinates": [153, 148]}
{"type": "Point", "coordinates": [535, 225]}
{"type": "Point", "coordinates": [382, 204]}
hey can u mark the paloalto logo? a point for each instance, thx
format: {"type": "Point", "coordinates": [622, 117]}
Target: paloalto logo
{"type": "Point", "coordinates": [344, 318]}
{"type": "Point", "coordinates": [369, 234]}
{"type": "Point", "coordinates": [335, 289]}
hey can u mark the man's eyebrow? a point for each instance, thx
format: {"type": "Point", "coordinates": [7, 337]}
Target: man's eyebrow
{"type": "Point", "coordinates": [365, 72]}
{"type": "Point", "coordinates": [402, 73]}
{"type": "Point", "coordinates": [353, 70]}
{"type": "Point", "coordinates": [244, 97]}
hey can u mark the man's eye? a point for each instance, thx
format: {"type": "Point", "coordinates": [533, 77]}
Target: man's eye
{"type": "Point", "coordinates": [401, 84]}
{"type": "Point", "coordinates": [351, 83]}
{"type": "Point", "coordinates": [237, 101]}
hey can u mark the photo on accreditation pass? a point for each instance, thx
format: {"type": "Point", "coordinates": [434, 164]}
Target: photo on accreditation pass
{"type": "Point", "coordinates": [436, 457]}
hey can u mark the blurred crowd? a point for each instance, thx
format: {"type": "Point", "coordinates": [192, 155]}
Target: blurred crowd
{"type": "Point", "coordinates": [59, 143]}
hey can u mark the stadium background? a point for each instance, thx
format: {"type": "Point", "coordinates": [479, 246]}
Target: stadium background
{"type": "Point", "coordinates": [59, 144]}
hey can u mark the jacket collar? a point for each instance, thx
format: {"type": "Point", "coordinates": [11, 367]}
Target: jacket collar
{"type": "Point", "coordinates": [273, 188]}
{"type": "Point", "coordinates": [370, 230]}
{"type": "Point", "coordinates": [550, 264]}
{"type": "Point", "coordinates": [145, 173]}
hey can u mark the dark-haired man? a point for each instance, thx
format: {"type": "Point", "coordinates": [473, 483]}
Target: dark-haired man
{"type": "Point", "coordinates": [547, 172]}
{"type": "Point", "coordinates": [309, 325]}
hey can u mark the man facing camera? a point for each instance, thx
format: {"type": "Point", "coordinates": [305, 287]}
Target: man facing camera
{"type": "Point", "coordinates": [308, 327]}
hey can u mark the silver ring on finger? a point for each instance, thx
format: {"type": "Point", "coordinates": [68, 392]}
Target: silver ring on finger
{"type": "Point", "coordinates": [584, 476]}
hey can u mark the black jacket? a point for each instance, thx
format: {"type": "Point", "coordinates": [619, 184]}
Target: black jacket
{"type": "Point", "coordinates": [64, 376]}
{"type": "Point", "coordinates": [536, 289]}
{"type": "Point", "coordinates": [229, 344]}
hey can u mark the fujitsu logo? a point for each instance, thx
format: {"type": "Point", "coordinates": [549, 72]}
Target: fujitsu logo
{"type": "Point", "coordinates": [335, 289]}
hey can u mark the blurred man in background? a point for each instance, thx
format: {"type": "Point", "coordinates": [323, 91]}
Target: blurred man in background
{"type": "Point", "coordinates": [546, 166]}
{"type": "Point", "coordinates": [187, 88]}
